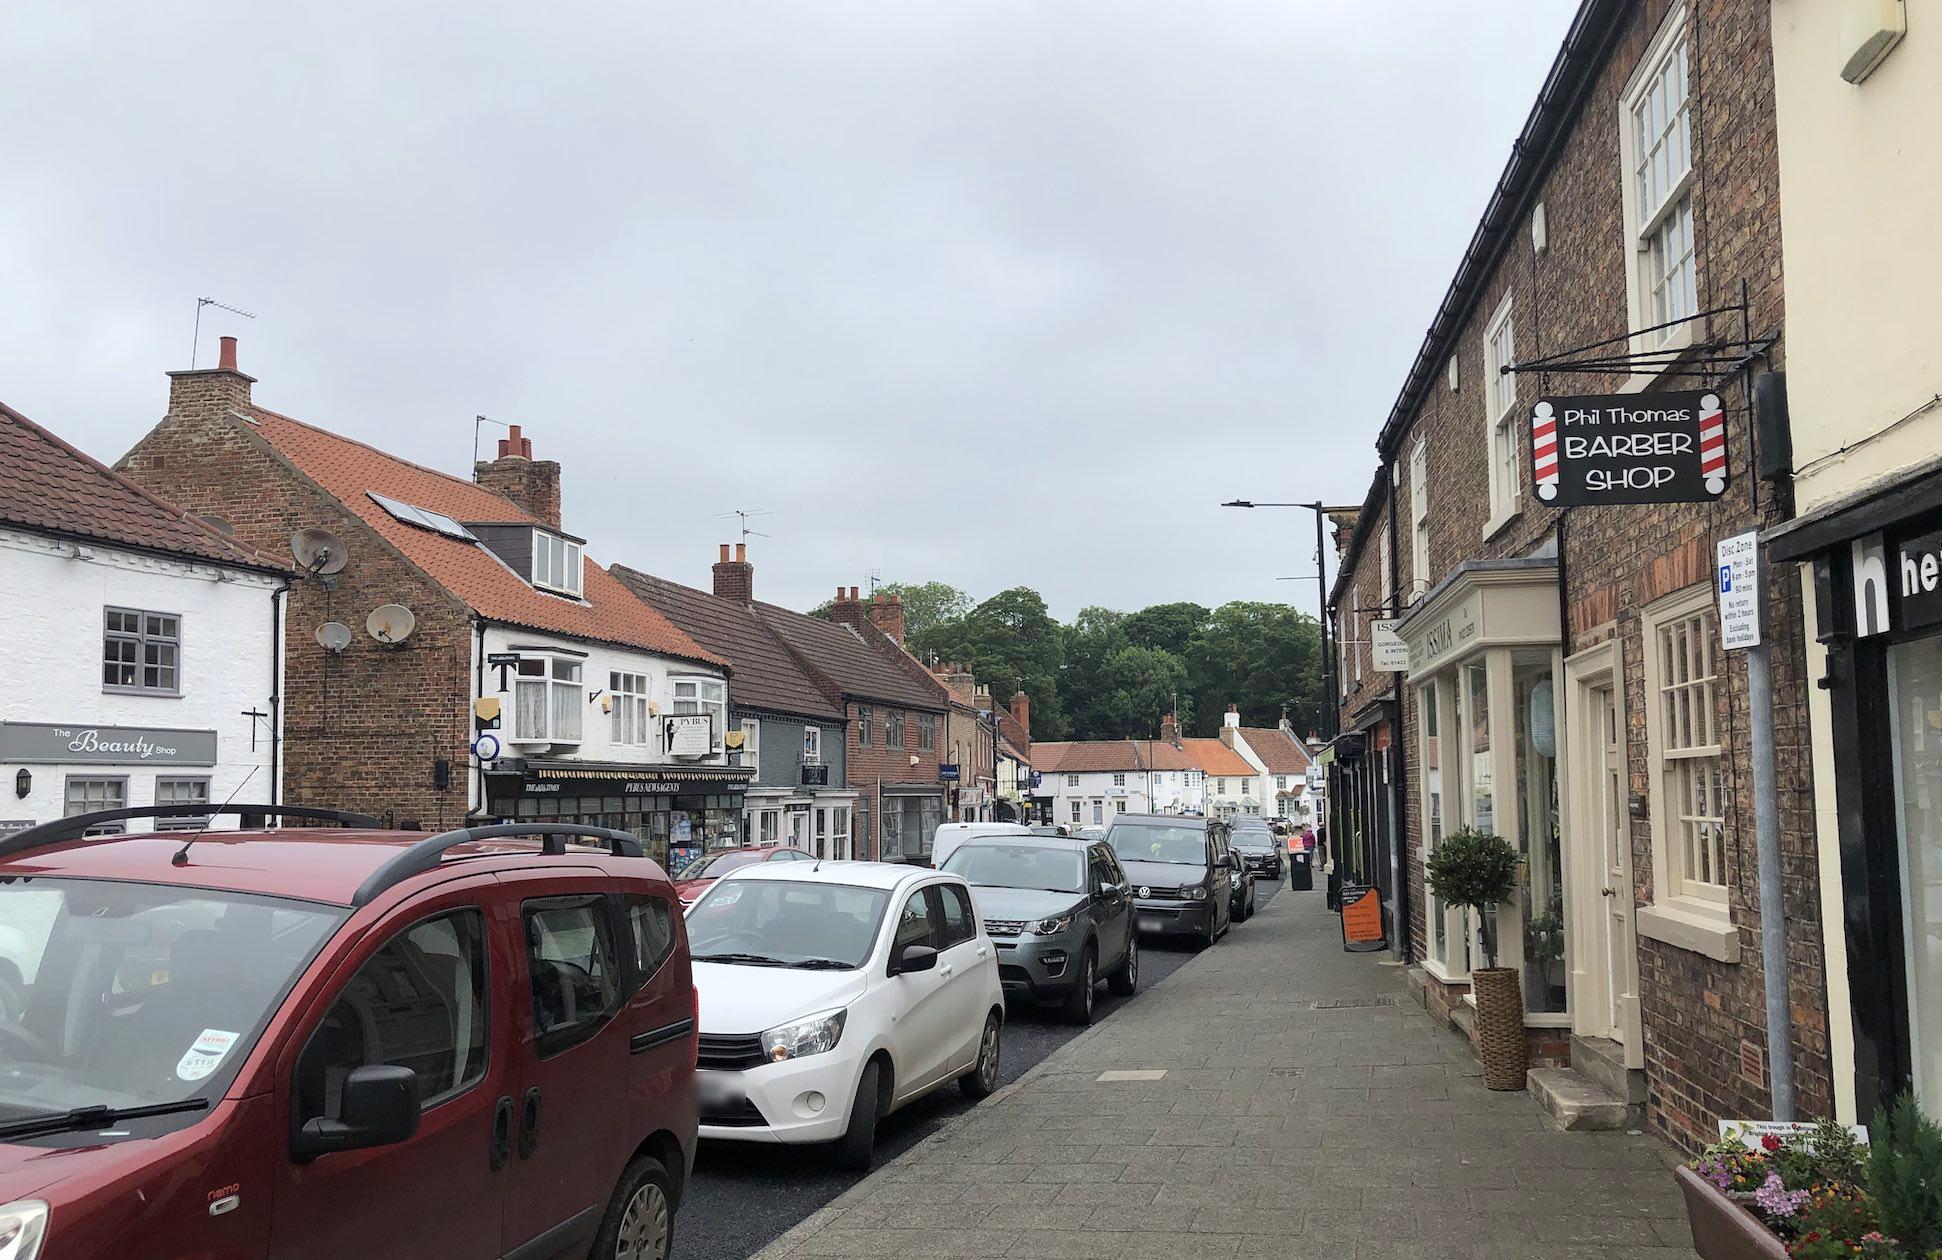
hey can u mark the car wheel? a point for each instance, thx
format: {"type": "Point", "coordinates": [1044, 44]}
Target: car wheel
{"type": "Point", "coordinates": [639, 1224]}
{"type": "Point", "coordinates": [858, 1145]}
{"type": "Point", "coordinates": [1127, 978]}
{"type": "Point", "coordinates": [1078, 1003]}
{"type": "Point", "coordinates": [982, 1079]}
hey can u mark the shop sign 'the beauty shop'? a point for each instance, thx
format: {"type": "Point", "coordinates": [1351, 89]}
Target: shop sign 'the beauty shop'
{"type": "Point", "coordinates": [1629, 448]}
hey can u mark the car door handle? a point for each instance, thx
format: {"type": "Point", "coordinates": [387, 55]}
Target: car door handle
{"type": "Point", "coordinates": [983, 952]}
{"type": "Point", "coordinates": [944, 973]}
{"type": "Point", "coordinates": [529, 1124]}
{"type": "Point", "coordinates": [501, 1148]}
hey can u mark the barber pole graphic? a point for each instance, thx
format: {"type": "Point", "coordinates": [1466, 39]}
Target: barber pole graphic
{"type": "Point", "coordinates": [1544, 450]}
{"type": "Point", "coordinates": [1712, 443]}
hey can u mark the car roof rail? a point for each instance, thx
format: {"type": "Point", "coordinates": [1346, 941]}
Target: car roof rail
{"type": "Point", "coordinates": [429, 852]}
{"type": "Point", "coordinates": [76, 826]}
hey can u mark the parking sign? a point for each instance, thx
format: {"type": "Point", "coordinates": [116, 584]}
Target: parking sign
{"type": "Point", "coordinates": [1739, 591]}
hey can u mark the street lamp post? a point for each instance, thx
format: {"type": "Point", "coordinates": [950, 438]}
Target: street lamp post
{"type": "Point", "coordinates": [1330, 719]}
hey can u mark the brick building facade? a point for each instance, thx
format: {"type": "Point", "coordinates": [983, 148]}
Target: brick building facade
{"type": "Point", "coordinates": [1643, 190]}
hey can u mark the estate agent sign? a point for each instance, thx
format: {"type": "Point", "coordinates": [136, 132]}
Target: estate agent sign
{"type": "Point", "coordinates": [1629, 448]}
{"type": "Point", "coordinates": [74, 743]}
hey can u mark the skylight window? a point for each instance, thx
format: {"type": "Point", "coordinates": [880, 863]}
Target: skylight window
{"type": "Point", "coordinates": [423, 518]}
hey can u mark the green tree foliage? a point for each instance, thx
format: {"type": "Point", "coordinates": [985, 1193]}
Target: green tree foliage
{"type": "Point", "coordinates": [1261, 657]}
{"type": "Point", "coordinates": [1168, 627]}
{"type": "Point", "coordinates": [1477, 869]}
{"type": "Point", "coordinates": [1137, 685]}
{"type": "Point", "coordinates": [1905, 1175]}
{"type": "Point", "coordinates": [928, 608]}
{"type": "Point", "coordinates": [1012, 644]}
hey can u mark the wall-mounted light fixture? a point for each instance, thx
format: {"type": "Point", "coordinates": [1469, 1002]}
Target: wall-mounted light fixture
{"type": "Point", "coordinates": [23, 783]}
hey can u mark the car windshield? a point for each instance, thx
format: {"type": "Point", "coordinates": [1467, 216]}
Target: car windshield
{"type": "Point", "coordinates": [1019, 866]}
{"type": "Point", "coordinates": [1178, 846]}
{"type": "Point", "coordinates": [719, 863]}
{"type": "Point", "coordinates": [786, 923]}
{"type": "Point", "coordinates": [1253, 838]}
{"type": "Point", "coordinates": [123, 995]}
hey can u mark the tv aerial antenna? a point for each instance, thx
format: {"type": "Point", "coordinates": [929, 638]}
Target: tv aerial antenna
{"type": "Point", "coordinates": [477, 423]}
{"type": "Point", "coordinates": [742, 517]}
{"type": "Point", "coordinates": [195, 342]}
{"type": "Point", "coordinates": [875, 579]}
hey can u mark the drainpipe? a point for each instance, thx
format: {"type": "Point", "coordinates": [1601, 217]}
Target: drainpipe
{"type": "Point", "coordinates": [1399, 766]}
{"type": "Point", "coordinates": [475, 773]}
{"type": "Point", "coordinates": [276, 688]}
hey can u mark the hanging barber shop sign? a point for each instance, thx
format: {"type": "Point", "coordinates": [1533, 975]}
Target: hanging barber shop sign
{"type": "Point", "coordinates": [1629, 448]}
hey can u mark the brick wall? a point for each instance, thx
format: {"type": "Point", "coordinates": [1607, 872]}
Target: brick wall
{"type": "Point", "coordinates": [1697, 1013]}
{"type": "Point", "coordinates": [882, 763]}
{"type": "Point", "coordinates": [362, 729]}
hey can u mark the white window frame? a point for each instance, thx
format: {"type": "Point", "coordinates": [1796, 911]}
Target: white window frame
{"type": "Point", "coordinates": [628, 725]}
{"type": "Point", "coordinates": [1642, 222]}
{"type": "Point", "coordinates": [1692, 915]}
{"type": "Point", "coordinates": [1076, 807]}
{"type": "Point", "coordinates": [706, 695]}
{"type": "Point", "coordinates": [1119, 780]}
{"type": "Point", "coordinates": [752, 742]}
{"type": "Point", "coordinates": [557, 563]}
{"type": "Point", "coordinates": [1500, 415]}
{"type": "Point", "coordinates": [1419, 520]}
{"type": "Point", "coordinates": [1072, 780]}
{"type": "Point", "coordinates": [558, 680]}
{"type": "Point", "coordinates": [812, 745]}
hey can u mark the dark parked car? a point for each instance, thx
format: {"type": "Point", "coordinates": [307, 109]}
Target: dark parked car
{"type": "Point", "coordinates": [1260, 850]}
{"type": "Point", "coordinates": [306, 1042]}
{"type": "Point", "coordinates": [1182, 871]}
{"type": "Point", "coordinates": [1060, 912]}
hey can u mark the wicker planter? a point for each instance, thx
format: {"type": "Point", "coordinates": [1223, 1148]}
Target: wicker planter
{"type": "Point", "coordinates": [1500, 1026]}
{"type": "Point", "coordinates": [1722, 1229]}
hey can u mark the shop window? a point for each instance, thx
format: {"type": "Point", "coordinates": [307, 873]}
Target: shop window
{"type": "Point", "coordinates": [1688, 777]}
{"type": "Point", "coordinates": [546, 700]}
{"type": "Point", "coordinates": [629, 718]}
{"type": "Point", "coordinates": [1535, 751]}
{"type": "Point", "coordinates": [141, 651]}
{"type": "Point", "coordinates": [769, 821]}
{"type": "Point", "coordinates": [86, 795]}
{"type": "Point", "coordinates": [1119, 807]}
{"type": "Point", "coordinates": [1915, 686]}
{"type": "Point", "coordinates": [1429, 758]}
{"type": "Point", "coordinates": [1500, 414]}
{"type": "Point", "coordinates": [1655, 144]}
{"type": "Point", "coordinates": [182, 791]}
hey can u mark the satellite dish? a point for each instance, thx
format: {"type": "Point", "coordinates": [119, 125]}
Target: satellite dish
{"type": "Point", "coordinates": [318, 551]}
{"type": "Point", "coordinates": [390, 623]}
{"type": "Point", "coordinates": [334, 635]}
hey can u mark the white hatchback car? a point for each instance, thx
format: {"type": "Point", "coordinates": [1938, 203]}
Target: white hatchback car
{"type": "Point", "coordinates": [832, 993]}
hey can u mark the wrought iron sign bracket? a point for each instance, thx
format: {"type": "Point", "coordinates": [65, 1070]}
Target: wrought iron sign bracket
{"type": "Point", "coordinates": [1704, 360]}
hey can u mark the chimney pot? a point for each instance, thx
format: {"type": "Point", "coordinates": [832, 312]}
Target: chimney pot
{"type": "Point", "coordinates": [741, 552]}
{"type": "Point", "coordinates": [724, 555]}
{"type": "Point", "coordinates": [852, 594]}
{"type": "Point", "coordinates": [226, 356]}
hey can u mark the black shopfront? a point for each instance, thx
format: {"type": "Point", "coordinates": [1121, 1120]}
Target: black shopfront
{"type": "Point", "coordinates": [1877, 572]}
{"type": "Point", "coordinates": [679, 812]}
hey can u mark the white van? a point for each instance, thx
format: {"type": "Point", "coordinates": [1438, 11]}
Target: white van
{"type": "Point", "coordinates": [951, 835]}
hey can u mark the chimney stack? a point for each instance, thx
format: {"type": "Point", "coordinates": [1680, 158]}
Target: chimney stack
{"type": "Point", "coordinates": [1170, 729]}
{"type": "Point", "coordinates": [847, 610]}
{"type": "Point", "coordinates": [887, 615]}
{"type": "Point", "coordinates": [735, 579]}
{"type": "Point", "coordinates": [1021, 711]}
{"type": "Point", "coordinates": [534, 485]}
{"type": "Point", "coordinates": [201, 393]}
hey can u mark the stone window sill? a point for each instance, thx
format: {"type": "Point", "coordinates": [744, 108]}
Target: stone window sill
{"type": "Point", "coordinates": [1444, 974]}
{"type": "Point", "coordinates": [1701, 930]}
{"type": "Point", "coordinates": [1680, 339]}
{"type": "Point", "coordinates": [1500, 522]}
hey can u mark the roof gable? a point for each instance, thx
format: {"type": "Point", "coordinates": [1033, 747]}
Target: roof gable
{"type": "Point", "coordinates": [50, 486]}
{"type": "Point", "coordinates": [1277, 749]}
{"type": "Point", "coordinates": [1213, 757]}
{"type": "Point", "coordinates": [766, 675]}
{"type": "Point", "coordinates": [853, 665]}
{"type": "Point", "coordinates": [351, 471]}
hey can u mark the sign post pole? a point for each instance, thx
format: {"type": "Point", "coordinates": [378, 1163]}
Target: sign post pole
{"type": "Point", "coordinates": [1739, 621]}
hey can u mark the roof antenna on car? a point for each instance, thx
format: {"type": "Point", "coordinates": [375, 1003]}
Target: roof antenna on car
{"type": "Point", "coordinates": [181, 857]}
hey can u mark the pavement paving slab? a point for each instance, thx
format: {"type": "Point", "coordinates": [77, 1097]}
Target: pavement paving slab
{"type": "Point", "coordinates": [1308, 1108]}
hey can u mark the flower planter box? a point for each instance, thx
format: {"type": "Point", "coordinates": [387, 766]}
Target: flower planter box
{"type": "Point", "coordinates": [1722, 1228]}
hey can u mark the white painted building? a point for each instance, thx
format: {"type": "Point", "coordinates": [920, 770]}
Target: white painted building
{"type": "Point", "coordinates": [141, 646]}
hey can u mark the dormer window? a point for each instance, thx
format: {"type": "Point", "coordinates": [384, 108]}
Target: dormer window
{"type": "Point", "coordinates": [556, 563]}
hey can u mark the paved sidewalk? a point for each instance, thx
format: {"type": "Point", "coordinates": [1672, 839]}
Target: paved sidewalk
{"type": "Point", "coordinates": [1309, 1108]}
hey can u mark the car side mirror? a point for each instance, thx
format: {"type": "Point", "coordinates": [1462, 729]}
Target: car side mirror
{"type": "Point", "coordinates": [379, 1108]}
{"type": "Point", "coordinates": [1233, 861]}
{"type": "Point", "coordinates": [914, 958]}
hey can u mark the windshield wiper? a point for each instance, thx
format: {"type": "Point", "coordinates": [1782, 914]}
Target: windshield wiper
{"type": "Point", "coordinates": [97, 1117]}
{"type": "Point", "coordinates": [748, 960]}
{"type": "Point", "coordinates": [823, 964]}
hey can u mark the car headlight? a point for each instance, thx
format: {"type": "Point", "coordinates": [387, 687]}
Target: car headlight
{"type": "Point", "coordinates": [816, 1035]}
{"type": "Point", "coordinates": [1197, 892]}
{"type": "Point", "coordinates": [23, 1225]}
{"type": "Point", "coordinates": [1054, 925]}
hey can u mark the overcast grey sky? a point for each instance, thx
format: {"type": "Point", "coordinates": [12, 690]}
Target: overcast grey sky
{"type": "Point", "coordinates": [987, 291]}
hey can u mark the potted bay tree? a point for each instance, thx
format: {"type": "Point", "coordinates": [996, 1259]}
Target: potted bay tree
{"type": "Point", "coordinates": [1478, 869]}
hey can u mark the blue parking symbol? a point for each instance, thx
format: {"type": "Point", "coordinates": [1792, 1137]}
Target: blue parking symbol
{"type": "Point", "coordinates": [1725, 578]}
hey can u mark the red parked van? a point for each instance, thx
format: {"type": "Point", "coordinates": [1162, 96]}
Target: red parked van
{"type": "Point", "coordinates": [314, 1042]}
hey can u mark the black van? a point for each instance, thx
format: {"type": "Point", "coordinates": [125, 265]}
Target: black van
{"type": "Point", "coordinates": [1183, 873]}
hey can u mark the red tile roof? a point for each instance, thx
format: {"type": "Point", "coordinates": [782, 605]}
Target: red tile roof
{"type": "Point", "coordinates": [49, 486]}
{"type": "Point", "coordinates": [841, 654]}
{"type": "Point", "coordinates": [1277, 748]}
{"type": "Point", "coordinates": [351, 471]}
{"type": "Point", "coordinates": [1086, 756]}
{"type": "Point", "coordinates": [1161, 755]}
{"type": "Point", "coordinates": [1211, 756]}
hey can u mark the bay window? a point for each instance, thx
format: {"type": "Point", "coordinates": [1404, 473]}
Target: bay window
{"type": "Point", "coordinates": [547, 703]}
